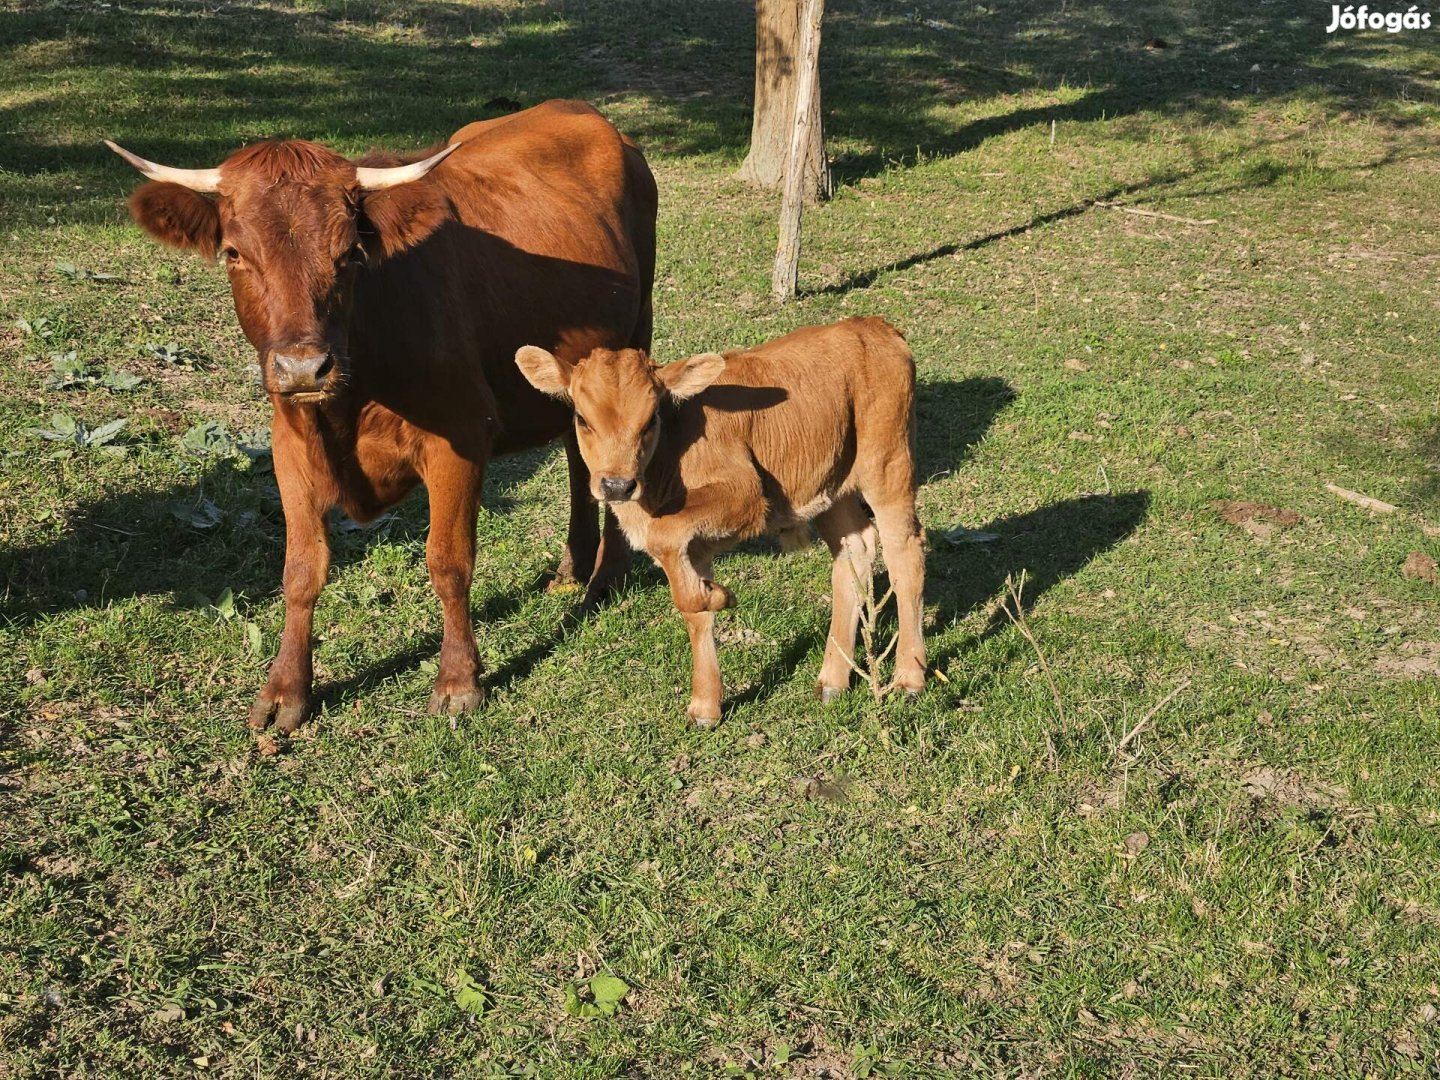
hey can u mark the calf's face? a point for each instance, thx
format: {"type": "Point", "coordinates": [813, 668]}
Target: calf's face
{"type": "Point", "coordinates": [618, 398]}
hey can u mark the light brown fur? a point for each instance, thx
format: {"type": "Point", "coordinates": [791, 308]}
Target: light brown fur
{"type": "Point", "coordinates": [810, 427]}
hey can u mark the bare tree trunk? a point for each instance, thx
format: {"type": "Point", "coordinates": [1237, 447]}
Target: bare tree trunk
{"type": "Point", "coordinates": [807, 94]}
{"type": "Point", "coordinates": [777, 59]}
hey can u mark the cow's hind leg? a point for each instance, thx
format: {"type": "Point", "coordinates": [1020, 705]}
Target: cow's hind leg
{"type": "Point", "coordinates": [454, 486]}
{"type": "Point", "coordinates": [285, 699]}
{"type": "Point", "coordinates": [850, 536]}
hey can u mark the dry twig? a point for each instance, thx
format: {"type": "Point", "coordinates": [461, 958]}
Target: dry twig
{"type": "Point", "coordinates": [870, 610]}
{"type": "Point", "coordinates": [1128, 739]}
{"type": "Point", "coordinates": [1360, 500]}
{"type": "Point", "coordinates": [1015, 612]}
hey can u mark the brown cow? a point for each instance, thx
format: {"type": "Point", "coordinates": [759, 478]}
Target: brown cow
{"type": "Point", "coordinates": [386, 301]}
{"type": "Point", "coordinates": [697, 455]}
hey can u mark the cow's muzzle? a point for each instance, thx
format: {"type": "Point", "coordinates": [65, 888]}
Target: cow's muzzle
{"type": "Point", "coordinates": [302, 375]}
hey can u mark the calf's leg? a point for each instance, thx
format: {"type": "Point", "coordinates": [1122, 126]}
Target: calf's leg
{"type": "Point", "coordinates": [850, 536]}
{"type": "Point", "coordinates": [454, 487]}
{"type": "Point", "coordinates": [612, 562]}
{"type": "Point", "coordinates": [705, 683]}
{"type": "Point", "coordinates": [285, 698]}
{"type": "Point", "coordinates": [905, 559]}
{"type": "Point", "coordinates": [698, 598]}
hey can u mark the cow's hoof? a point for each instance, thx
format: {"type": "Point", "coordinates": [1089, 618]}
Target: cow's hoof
{"type": "Point", "coordinates": [456, 702]}
{"type": "Point", "coordinates": [827, 694]}
{"type": "Point", "coordinates": [702, 717]}
{"type": "Point", "coordinates": [286, 715]}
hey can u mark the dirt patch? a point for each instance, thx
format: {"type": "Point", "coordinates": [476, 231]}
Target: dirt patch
{"type": "Point", "coordinates": [1415, 660]}
{"type": "Point", "coordinates": [1258, 519]}
{"type": "Point", "coordinates": [1286, 787]}
{"type": "Point", "coordinates": [1422, 566]}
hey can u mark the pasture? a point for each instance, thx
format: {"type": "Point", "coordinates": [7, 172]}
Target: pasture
{"type": "Point", "coordinates": [1183, 818]}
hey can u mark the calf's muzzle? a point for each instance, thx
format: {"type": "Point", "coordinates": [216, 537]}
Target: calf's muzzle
{"type": "Point", "coordinates": [617, 488]}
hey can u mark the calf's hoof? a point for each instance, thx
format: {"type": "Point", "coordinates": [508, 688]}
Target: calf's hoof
{"type": "Point", "coordinates": [702, 716]}
{"type": "Point", "coordinates": [911, 684]}
{"type": "Point", "coordinates": [286, 715]}
{"type": "Point", "coordinates": [827, 694]}
{"type": "Point", "coordinates": [454, 702]}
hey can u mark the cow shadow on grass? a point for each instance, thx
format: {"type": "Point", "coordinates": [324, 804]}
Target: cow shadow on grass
{"type": "Point", "coordinates": [1048, 544]}
{"type": "Point", "coordinates": [186, 544]}
{"type": "Point", "coordinates": [951, 417]}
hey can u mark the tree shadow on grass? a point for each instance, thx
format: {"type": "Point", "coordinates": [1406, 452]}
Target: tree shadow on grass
{"type": "Point", "coordinates": [188, 82]}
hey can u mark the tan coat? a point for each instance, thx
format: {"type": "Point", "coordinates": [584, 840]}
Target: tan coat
{"type": "Point", "coordinates": [697, 455]}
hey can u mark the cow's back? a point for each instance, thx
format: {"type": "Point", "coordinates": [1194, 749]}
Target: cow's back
{"type": "Point", "coordinates": [552, 243]}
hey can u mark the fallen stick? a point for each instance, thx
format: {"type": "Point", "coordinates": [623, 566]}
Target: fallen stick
{"type": "Point", "coordinates": [1128, 739]}
{"type": "Point", "coordinates": [1156, 214]}
{"type": "Point", "coordinates": [1360, 500]}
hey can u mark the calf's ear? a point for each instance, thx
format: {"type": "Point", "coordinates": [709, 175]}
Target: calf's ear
{"type": "Point", "coordinates": [686, 378]}
{"type": "Point", "coordinates": [177, 216]}
{"type": "Point", "coordinates": [397, 218]}
{"type": "Point", "coordinates": [546, 371]}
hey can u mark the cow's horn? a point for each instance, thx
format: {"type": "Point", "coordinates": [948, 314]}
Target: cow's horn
{"type": "Point", "coordinates": [194, 179]}
{"type": "Point", "coordinates": [379, 179]}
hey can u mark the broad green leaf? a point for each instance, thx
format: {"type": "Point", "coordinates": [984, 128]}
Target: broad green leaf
{"type": "Point", "coordinates": [608, 991]}
{"type": "Point", "coordinates": [106, 432]}
{"type": "Point", "coordinates": [469, 994]}
{"type": "Point", "coordinates": [225, 604]}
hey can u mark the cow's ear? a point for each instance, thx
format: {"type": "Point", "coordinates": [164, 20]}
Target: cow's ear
{"type": "Point", "coordinates": [546, 371]}
{"type": "Point", "coordinates": [686, 378]}
{"type": "Point", "coordinates": [177, 216]}
{"type": "Point", "coordinates": [398, 218]}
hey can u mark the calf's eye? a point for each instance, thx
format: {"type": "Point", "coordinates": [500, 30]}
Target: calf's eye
{"type": "Point", "coordinates": [653, 423]}
{"type": "Point", "coordinates": [580, 422]}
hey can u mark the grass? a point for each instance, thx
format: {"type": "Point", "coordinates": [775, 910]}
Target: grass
{"type": "Point", "coordinates": [975, 883]}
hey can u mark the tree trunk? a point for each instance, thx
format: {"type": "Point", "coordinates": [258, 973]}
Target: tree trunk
{"type": "Point", "coordinates": [785, 278]}
{"type": "Point", "coordinates": [777, 64]}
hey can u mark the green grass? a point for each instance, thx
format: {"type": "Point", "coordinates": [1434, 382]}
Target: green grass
{"type": "Point", "coordinates": [964, 901]}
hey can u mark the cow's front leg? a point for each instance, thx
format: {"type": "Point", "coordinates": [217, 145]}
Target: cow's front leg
{"type": "Point", "coordinates": [454, 486]}
{"type": "Point", "coordinates": [582, 541]}
{"type": "Point", "coordinates": [286, 696]}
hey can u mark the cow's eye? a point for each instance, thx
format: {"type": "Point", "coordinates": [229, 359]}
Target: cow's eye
{"type": "Point", "coordinates": [580, 422]}
{"type": "Point", "coordinates": [654, 422]}
{"type": "Point", "coordinates": [356, 256]}
{"type": "Point", "coordinates": [231, 255]}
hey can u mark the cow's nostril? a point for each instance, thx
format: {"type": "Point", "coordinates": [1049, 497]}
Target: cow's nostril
{"type": "Point", "coordinates": [327, 364]}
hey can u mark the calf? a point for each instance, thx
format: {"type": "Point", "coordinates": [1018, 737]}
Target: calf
{"type": "Point", "coordinates": [700, 454]}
